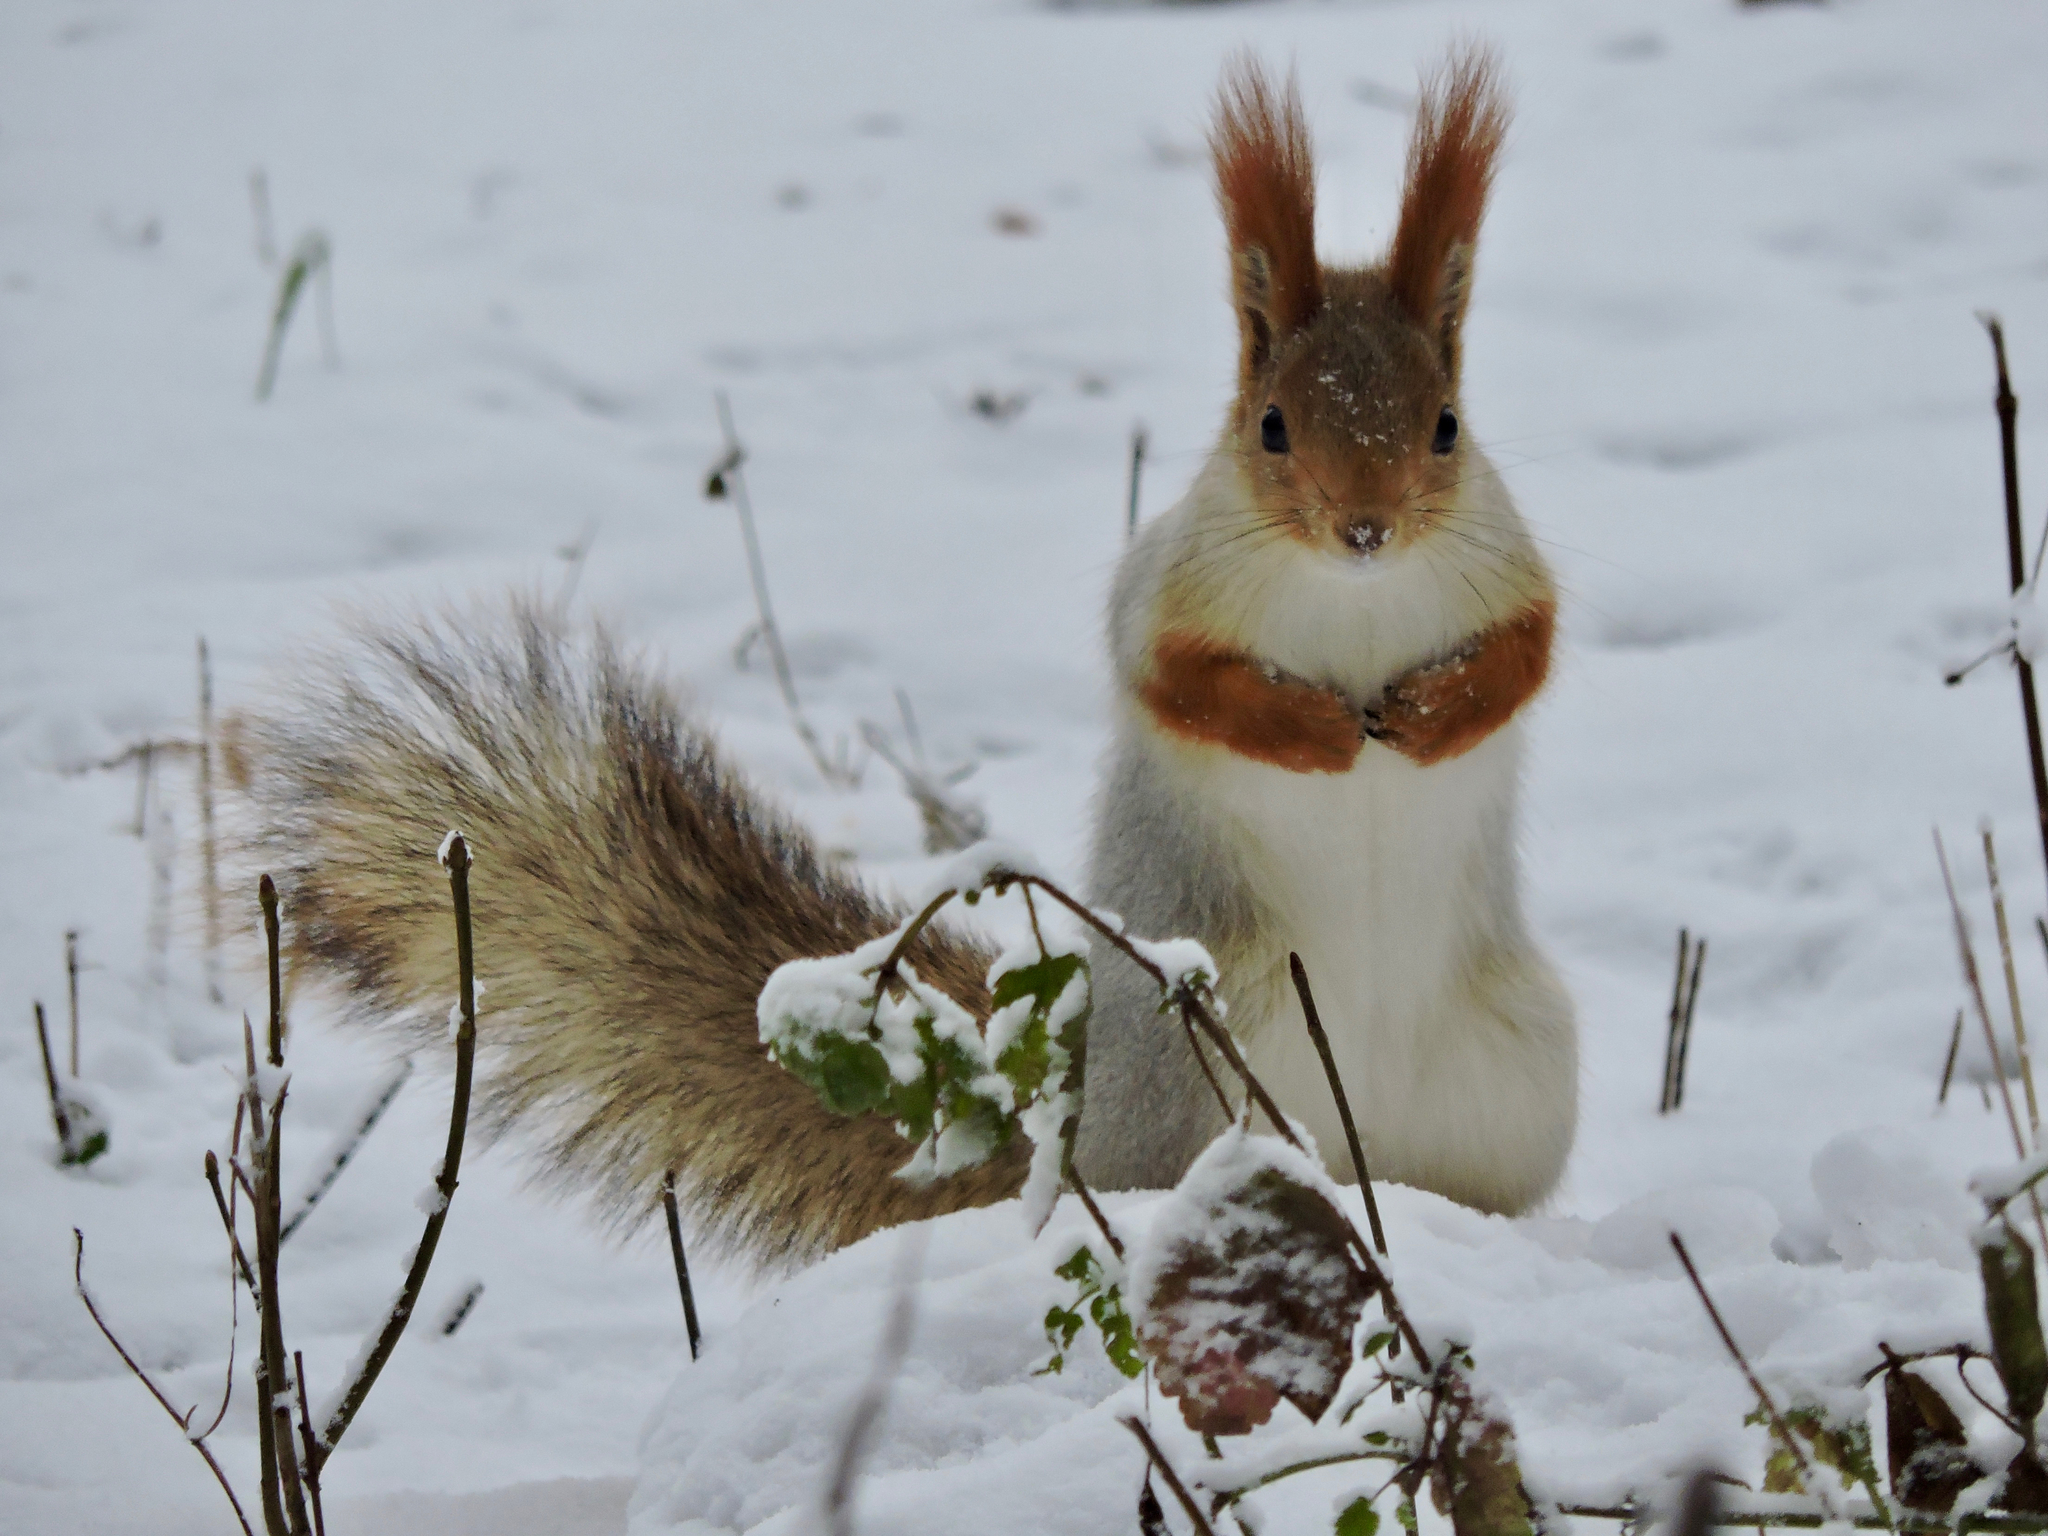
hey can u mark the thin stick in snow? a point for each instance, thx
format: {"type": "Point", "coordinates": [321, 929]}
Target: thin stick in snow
{"type": "Point", "coordinates": [1948, 1067]}
{"type": "Point", "coordinates": [346, 1148]}
{"type": "Point", "coordinates": [209, 857]}
{"type": "Point", "coordinates": [1668, 1099]}
{"type": "Point", "coordinates": [675, 1245]}
{"type": "Point", "coordinates": [310, 257]}
{"type": "Point", "coordinates": [71, 977]}
{"type": "Point", "coordinates": [1975, 985]}
{"type": "Point", "coordinates": [1137, 471]}
{"type": "Point", "coordinates": [874, 1398]}
{"type": "Point", "coordinates": [726, 480]}
{"type": "Point", "coordinates": [2012, 987]}
{"type": "Point", "coordinates": [50, 1076]}
{"type": "Point", "coordinates": [1322, 1042]}
{"type": "Point", "coordinates": [2008, 408]}
{"type": "Point", "coordinates": [465, 1304]}
{"type": "Point", "coordinates": [1778, 1425]}
{"type": "Point", "coordinates": [1692, 997]}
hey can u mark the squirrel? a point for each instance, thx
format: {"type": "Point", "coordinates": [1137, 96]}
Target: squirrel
{"type": "Point", "coordinates": [1320, 654]}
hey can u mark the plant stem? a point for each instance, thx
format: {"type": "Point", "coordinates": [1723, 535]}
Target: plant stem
{"type": "Point", "coordinates": [71, 975]}
{"type": "Point", "coordinates": [1665, 1101]}
{"type": "Point", "coordinates": [266, 891]}
{"type": "Point", "coordinates": [1948, 1067]}
{"type": "Point", "coordinates": [50, 1076]}
{"type": "Point", "coordinates": [1692, 997]}
{"type": "Point", "coordinates": [1137, 471]}
{"type": "Point", "coordinates": [183, 1422]}
{"type": "Point", "coordinates": [675, 1243]}
{"type": "Point", "coordinates": [1322, 1042]}
{"type": "Point", "coordinates": [1975, 984]}
{"type": "Point", "coordinates": [456, 857]}
{"type": "Point", "coordinates": [2008, 408]}
{"type": "Point", "coordinates": [2012, 987]}
{"type": "Point", "coordinates": [728, 478]}
{"type": "Point", "coordinates": [1778, 1425]}
{"type": "Point", "coordinates": [346, 1150]}
{"type": "Point", "coordinates": [1165, 1469]}
{"type": "Point", "coordinates": [209, 857]}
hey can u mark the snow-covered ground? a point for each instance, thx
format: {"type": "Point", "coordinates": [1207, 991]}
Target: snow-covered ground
{"type": "Point", "coordinates": [1722, 333]}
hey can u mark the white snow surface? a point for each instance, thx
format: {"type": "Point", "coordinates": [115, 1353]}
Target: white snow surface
{"type": "Point", "coordinates": [1722, 342]}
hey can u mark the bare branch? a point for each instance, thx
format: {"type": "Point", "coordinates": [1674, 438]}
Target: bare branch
{"type": "Point", "coordinates": [1165, 1469]}
{"type": "Point", "coordinates": [675, 1244]}
{"type": "Point", "coordinates": [183, 1421]}
{"type": "Point", "coordinates": [1322, 1042]}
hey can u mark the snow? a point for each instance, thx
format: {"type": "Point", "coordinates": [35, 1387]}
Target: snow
{"type": "Point", "coordinates": [1721, 342]}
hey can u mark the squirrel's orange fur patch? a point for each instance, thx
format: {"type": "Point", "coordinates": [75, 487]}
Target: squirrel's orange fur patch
{"type": "Point", "coordinates": [1459, 126]}
{"type": "Point", "coordinates": [1204, 692]}
{"type": "Point", "coordinates": [1266, 183]}
{"type": "Point", "coordinates": [1447, 708]}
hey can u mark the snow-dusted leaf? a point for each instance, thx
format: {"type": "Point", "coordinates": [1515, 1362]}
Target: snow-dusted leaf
{"type": "Point", "coordinates": [1928, 1451]}
{"type": "Point", "coordinates": [2013, 1311]}
{"type": "Point", "coordinates": [1103, 1301]}
{"type": "Point", "coordinates": [1478, 1482]}
{"type": "Point", "coordinates": [1358, 1518]}
{"type": "Point", "coordinates": [1248, 1287]}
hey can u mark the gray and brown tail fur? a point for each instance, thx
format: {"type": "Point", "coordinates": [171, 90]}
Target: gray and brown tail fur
{"type": "Point", "coordinates": [631, 895]}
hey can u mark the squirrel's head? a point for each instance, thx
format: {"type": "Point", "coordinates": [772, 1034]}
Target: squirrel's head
{"type": "Point", "coordinates": [1346, 417]}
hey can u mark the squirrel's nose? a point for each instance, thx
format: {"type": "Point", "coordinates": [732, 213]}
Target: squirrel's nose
{"type": "Point", "coordinates": [1363, 532]}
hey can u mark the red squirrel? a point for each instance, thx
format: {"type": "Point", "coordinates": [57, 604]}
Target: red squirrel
{"type": "Point", "coordinates": [1320, 656]}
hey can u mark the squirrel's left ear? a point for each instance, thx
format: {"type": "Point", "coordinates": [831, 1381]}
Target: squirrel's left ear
{"type": "Point", "coordinates": [1266, 182]}
{"type": "Point", "coordinates": [1459, 126]}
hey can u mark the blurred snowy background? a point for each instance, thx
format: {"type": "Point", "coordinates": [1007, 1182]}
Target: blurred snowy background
{"type": "Point", "coordinates": [1722, 336]}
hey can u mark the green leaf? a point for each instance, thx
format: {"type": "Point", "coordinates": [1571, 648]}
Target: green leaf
{"type": "Point", "coordinates": [1377, 1342]}
{"type": "Point", "coordinates": [1405, 1513]}
{"type": "Point", "coordinates": [1359, 1518]}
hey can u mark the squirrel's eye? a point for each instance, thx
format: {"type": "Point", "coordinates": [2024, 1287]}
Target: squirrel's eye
{"type": "Point", "coordinates": [1446, 432]}
{"type": "Point", "coordinates": [1273, 430]}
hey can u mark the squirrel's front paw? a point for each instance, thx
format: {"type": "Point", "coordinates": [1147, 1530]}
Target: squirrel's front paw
{"type": "Point", "coordinates": [1427, 715]}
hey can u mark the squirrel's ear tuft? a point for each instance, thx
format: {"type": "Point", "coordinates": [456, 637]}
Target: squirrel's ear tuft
{"type": "Point", "coordinates": [1266, 182]}
{"type": "Point", "coordinates": [1459, 126]}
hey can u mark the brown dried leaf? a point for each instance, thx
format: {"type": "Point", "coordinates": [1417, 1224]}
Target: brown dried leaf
{"type": "Point", "coordinates": [1255, 1293]}
{"type": "Point", "coordinates": [1929, 1462]}
{"type": "Point", "coordinates": [1478, 1482]}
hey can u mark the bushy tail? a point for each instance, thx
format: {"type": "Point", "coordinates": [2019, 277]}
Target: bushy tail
{"type": "Point", "coordinates": [630, 896]}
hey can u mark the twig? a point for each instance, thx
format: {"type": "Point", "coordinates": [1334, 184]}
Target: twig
{"type": "Point", "coordinates": [1778, 1425]}
{"type": "Point", "coordinates": [1754, 1519]}
{"type": "Point", "coordinates": [455, 855]}
{"type": "Point", "coordinates": [209, 858]}
{"type": "Point", "coordinates": [465, 1304]}
{"type": "Point", "coordinates": [874, 1398]}
{"type": "Point", "coordinates": [725, 480]}
{"type": "Point", "coordinates": [57, 1113]}
{"type": "Point", "coordinates": [346, 1148]}
{"type": "Point", "coordinates": [2008, 408]}
{"type": "Point", "coordinates": [675, 1247]}
{"type": "Point", "coordinates": [1667, 1101]}
{"type": "Point", "coordinates": [1137, 470]}
{"type": "Point", "coordinates": [71, 977]}
{"type": "Point", "coordinates": [1976, 989]}
{"type": "Point", "coordinates": [306, 1442]}
{"type": "Point", "coordinates": [1698, 1506]}
{"type": "Point", "coordinates": [949, 825]}
{"type": "Point", "coordinates": [183, 1421]}
{"type": "Point", "coordinates": [1692, 997]}
{"type": "Point", "coordinates": [266, 892]}
{"type": "Point", "coordinates": [1322, 1041]}
{"type": "Point", "coordinates": [227, 1220]}
{"type": "Point", "coordinates": [2012, 986]}
{"type": "Point", "coordinates": [1073, 1178]}
{"type": "Point", "coordinates": [1165, 1469]}
{"type": "Point", "coordinates": [1948, 1067]}
{"type": "Point", "coordinates": [284, 1499]}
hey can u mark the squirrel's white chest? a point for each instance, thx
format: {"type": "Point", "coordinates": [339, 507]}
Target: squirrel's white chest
{"type": "Point", "coordinates": [1388, 881]}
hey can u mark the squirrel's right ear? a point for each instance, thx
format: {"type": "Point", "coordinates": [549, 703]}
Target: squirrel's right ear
{"type": "Point", "coordinates": [1265, 180]}
{"type": "Point", "coordinates": [1459, 126]}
